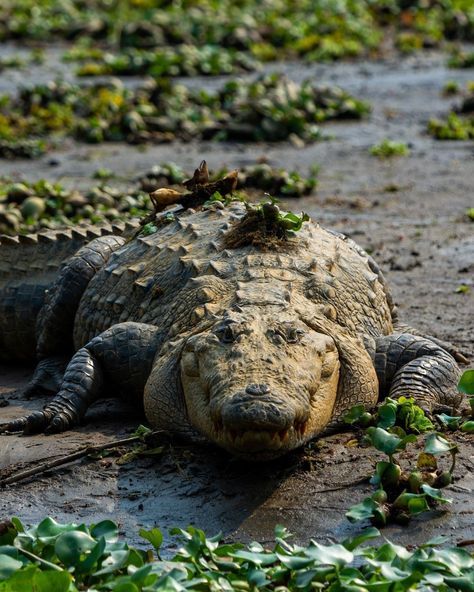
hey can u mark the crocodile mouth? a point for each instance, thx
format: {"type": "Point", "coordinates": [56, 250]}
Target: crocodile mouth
{"type": "Point", "coordinates": [245, 441]}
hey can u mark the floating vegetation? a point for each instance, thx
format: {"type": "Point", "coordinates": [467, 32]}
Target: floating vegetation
{"type": "Point", "coordinates": [11, 149]}
{"type": "Point", "coordinates": [28, 207]}
{"type": "Point", "coordinates": [68, 557]}
{"type": "Point", "coordinates": [19, 62]}
{"type": "Point", "coordinates": [403, 492]}
{"type": "Point", "coordinates": [181, 60]}
{"type": "Point", "coordinates": [269, 30]}
{"type": "Point", "coordinates": [459, 123]}
{"type": "Point", "coordinates": [271, 108]}
{"type": "Point", "coordinates": [319, 31]}
{"type": "Point", "coordinates": [451, 88]}
{"type": "Point", "coordinates": [461, 59]}
{"type": "Point", "coordinates": [389, 148]}
{"type": "Point", "coordinates": [452, 128]}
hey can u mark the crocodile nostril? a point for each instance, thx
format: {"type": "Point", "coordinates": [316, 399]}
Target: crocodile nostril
{"type": "Point", "coordinates": [257, 389]}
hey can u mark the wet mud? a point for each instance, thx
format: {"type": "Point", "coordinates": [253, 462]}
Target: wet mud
{"type": "Point", "coordinates": [408, 212]}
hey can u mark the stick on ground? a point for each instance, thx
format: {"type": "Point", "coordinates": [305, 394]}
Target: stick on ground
{"type": "Point", "coordinates": [45, 465]}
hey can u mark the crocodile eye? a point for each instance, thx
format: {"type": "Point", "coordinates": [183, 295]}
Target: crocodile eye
{"type": "Point", "coordinates": [286, 334]}
{"type": "Point", "coordinates": [293, 335]}
{"type": "Point", "coordinates": [227, 333]}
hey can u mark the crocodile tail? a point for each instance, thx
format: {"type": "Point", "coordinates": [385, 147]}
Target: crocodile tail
{"type": "Point", "coordinates": [28, 266]}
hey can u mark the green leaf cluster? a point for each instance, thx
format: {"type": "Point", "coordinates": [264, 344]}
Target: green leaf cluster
{"type": "Point", "coordinates": [53, 557]}
{"type": "Point", "coordinates": [402, 494]}
{"type": "Point", "coordinates": [27, 207]}
{"type": "Point", "coordinates": [389, 148]}
{"type": "Point", "coordinates": [270, 108]}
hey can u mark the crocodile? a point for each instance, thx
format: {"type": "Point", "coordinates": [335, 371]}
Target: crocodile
{"type": "Point", "coordinates": [255, 348]}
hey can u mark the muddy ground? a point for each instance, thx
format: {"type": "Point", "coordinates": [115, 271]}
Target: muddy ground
{"type": "Point", "coordinates": [408, 212]}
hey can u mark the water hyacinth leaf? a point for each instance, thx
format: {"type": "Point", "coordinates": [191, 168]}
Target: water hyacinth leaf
{"type": "Point", "coordinates": [415, 503]}
{"type": "Point", "coordinates": [255, 557]}
{"type": "Point", "coordinates": [383, 441]}
{"type": "Point", "coordinates": [390, 551]}
{"type": "Point", "coordinates": [48, 530]}
{"type": "Point", "coordinates": [468, 427]}
{"type": "Point", "coordinates": [434, 579]}
{"type": "Point", "coordinates": [418, 505]}
{"type": "Point", "coordinates": [281, 532]}
{"type": "Point", "coordinates": [388, 443]}
{"type": "Point", "coordinates": [51, 581]}
{"type": "Point", "coordinates": [454, 559]}
{"type": "Point", "coordinates": [295, 562]}
{"type": "Point", "coordinates": [70, 546]}
{"type": "Point", "coordinates": [126, 587]}
{"type": "Point", "coordinates": [361, 511]}
{"type": "Point", "coordinates": [87, 564]}
{"type": "Point", "coordinates": [412, 416]}
{"type": "Point", "coordinates": [106, 529]}
{"type": "Point", "coordinates": [387, 415]}
{"type": "Point", "coordinates": [354, 414]}
{"type": "Point", "coordinates": [115, 561]}
{"type": "Point", "coordinates": [437, 444]}
{"type": "Point", "coordinates": [366, 535]}
{"type": "Point", "coordinates": [17, 524]}
{"type": "Point", "coordinates": [387, 473]}
{"type": "Point", "coordinates": [449, 421]}
{"type": "Point", "coordinates": [9, 550]}
{"type": "Point", "coordinates": [153, 536]}
{"type": "Point", "coordinates": [462, 583]}
{"type": "Point", "coordinates": [292, 222]}
{"type": "Point", "coordinates": [466, 382]}
{"type": "Point", "coordinates": [435, 494]}
{"type": "Point", "coordinates": [336, 555]}
{"type": "Point", "coordinates": [435, 541]}
{"type": "Point", "coordinates": [393, 574]}
{"type": "Point", "coordinates": [304, 578]}
{"type": "Point", "coordinates": [8, 566]}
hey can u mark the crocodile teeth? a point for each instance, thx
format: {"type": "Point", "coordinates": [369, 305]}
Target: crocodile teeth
{"type": "Point", "coordinates": [300, 428]}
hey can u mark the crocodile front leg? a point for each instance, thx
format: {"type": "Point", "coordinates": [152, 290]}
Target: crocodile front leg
{"type": "Point", "coordinates": [117, 362]}
{"type": "Point", "coordinates": [55, 323]}
{"type": "Point", "coordinates": [411, 366]}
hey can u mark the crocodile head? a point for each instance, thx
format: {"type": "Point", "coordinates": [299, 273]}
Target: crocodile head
{"type": "Point", "coordinates": [259, 384]}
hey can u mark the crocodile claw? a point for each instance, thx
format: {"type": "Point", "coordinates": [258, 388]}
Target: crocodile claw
{"type": "Point", "coordinates": [28, 424]}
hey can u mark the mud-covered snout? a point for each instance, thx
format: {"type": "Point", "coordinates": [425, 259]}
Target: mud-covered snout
{"type": "Point", "coordinates": [258, 419]}
{"type": "Point", "coordinates": [260, 386]}
{"type": "Point", "coordinates": [256, 410]}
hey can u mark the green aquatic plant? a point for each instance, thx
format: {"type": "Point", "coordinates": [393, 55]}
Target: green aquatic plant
{"type": "Point", "coordinates": [31, 206]}
{"type": "Point", "coordinates": [453, 127]}
{"type": "Point", "coordinates": [270, 108]}
{"type": "Point", "coordinates": [180, 60]}
{"type": "Point", "coordinates": [403, 493]}
{"type": "Point", "coordinates": [389, 148]}
{"type": "Point", "coordinates": [70, 557]}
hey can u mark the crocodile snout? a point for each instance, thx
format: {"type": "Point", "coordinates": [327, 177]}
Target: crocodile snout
{"type": "Point", "coordinates": [256, 410]}
{"type": "Point", "coordinates": [257, 389]}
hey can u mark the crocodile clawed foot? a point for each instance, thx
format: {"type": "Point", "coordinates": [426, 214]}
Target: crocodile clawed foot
{"type": "Point", "coordinates": [34, 423]}
{"type": "Point", "coordinates": [13, 427]}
